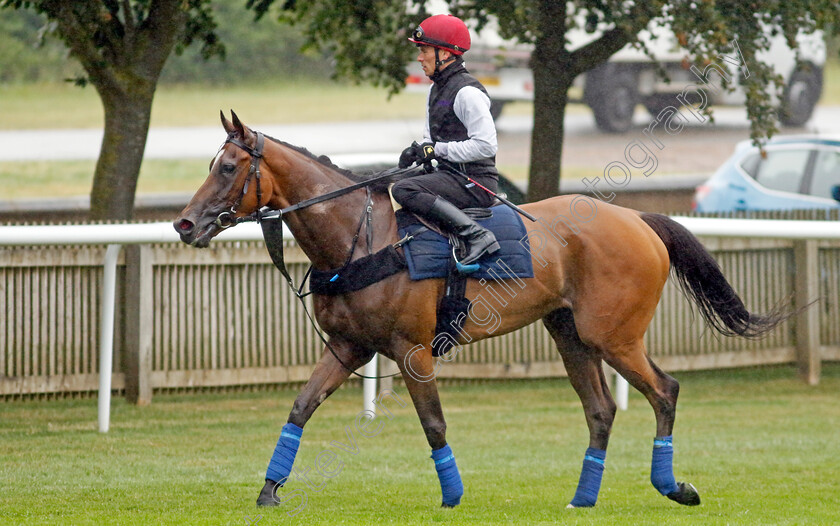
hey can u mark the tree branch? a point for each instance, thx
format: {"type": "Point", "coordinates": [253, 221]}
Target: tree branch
{"type": "Point", "coordinates": [158, 33]}
{"type": "Point", "coordinates": [77, 34]}
{"type": "Point", "coordinates": [129, 23]}
{"type": "Point", "coordinates": [599, 51]}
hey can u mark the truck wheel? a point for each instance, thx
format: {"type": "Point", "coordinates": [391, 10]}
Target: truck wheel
{"type": "Point", "coordinates": [659, 101]}
{"type": "Point", "coordinates": [801, 95]}
{"type": "Point", "coordinates": [496, 108]}
{"type": "Point", "coordinates": [612, 95]}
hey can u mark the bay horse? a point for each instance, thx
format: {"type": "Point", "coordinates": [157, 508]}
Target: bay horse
{"type": "Point", "coordinates": [599, 271]}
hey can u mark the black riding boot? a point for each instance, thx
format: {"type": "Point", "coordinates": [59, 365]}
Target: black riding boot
{"type": "Point", "coordinates": [479, 240]}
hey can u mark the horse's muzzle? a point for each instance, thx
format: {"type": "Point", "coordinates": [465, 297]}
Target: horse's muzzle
{"type": "Point", "coordinates": [191, 234]}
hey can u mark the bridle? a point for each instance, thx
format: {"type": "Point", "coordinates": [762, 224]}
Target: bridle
{"type": "Point", "coordinates": [228, 218]}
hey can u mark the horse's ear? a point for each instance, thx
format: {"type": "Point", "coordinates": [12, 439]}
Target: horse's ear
{"type": "Point", "coordinates": [226, 124]}
{"type": "Point", "coordinates": [240, 128]}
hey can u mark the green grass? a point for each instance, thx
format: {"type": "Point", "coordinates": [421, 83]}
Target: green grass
{"type": "Point", "coordinates": [38, 179]}
{"type": "Point", "coordinates": [760, 446]}
{"type": "Point", "coordinates": [67, 106]}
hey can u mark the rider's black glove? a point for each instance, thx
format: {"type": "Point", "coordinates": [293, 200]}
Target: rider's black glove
{"type": "Point", "coordinates": [417, 153]}
{"type": "Point", "coordinates": [425, 152]}
{"type": "Point", "coordinates": [408, 156]}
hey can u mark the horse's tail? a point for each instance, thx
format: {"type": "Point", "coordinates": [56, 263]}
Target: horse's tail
{"type": "Point", "coordinates": [701, 279]}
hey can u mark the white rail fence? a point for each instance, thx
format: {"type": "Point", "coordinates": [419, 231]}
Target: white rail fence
{"type": "Point", "coordinates": [805, 235]}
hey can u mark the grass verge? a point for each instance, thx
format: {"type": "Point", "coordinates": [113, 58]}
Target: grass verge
{"type": "Point", "coordinates": [52, 106]}
{"type": "Point", "coordinates": [760, 446]}
{"type": "Point", "coordinates": [40, 179]}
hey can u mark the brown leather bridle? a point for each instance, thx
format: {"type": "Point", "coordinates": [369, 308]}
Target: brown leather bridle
{"type": "Point", "coordinates": [227, 218]}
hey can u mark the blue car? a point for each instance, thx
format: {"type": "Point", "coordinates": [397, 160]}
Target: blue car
{"type": "Point", "coordinates": [798, 171]}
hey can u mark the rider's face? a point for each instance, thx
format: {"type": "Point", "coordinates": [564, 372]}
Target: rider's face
{"type": "Point", "coordinates": [426, 58]}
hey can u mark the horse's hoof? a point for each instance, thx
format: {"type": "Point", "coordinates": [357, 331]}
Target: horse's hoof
{"type": "Point", "coordinates": [267, 496]}
{"type": "Point", "coordinates": [445, 505]}
{"type": "Point", "coordinates": [570, 506]}
{"type": "Point", "coordinates": [686, 494]}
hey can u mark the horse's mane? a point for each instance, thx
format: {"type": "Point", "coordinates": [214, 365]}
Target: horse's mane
{"type": "Point", "coordinates": [326, 161]}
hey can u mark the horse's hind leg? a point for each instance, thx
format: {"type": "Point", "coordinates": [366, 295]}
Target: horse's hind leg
{"type": "Point", "coordinates": [583, 365]}
{"type": "Point", "coordinates": [330, 372]}
{"type": "Point", "coordinates": [661, 390]}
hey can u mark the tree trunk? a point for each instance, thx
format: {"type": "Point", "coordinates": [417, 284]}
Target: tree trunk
{"type": "Point", "coordinates": [127, 116]}
{"type": "Point", "coordinates": [123, 47]}
{"type": "Point", "coordinates": [551, 94]}
{"type": "Point", "coordinates": [552, 80]}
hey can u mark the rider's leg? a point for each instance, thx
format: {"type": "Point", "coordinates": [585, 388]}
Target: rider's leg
{"type": "Point", "coordinates": [439, 197]}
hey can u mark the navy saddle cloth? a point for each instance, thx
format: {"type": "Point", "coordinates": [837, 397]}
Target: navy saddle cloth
{"type": "Point", "coordinates": [428, 254]}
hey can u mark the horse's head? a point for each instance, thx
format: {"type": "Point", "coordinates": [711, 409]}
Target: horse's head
{"type": "Point", "coordinates": [230, 191]}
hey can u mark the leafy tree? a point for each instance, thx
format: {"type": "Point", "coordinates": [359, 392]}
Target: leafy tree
{"type": "Point", "coordinates": [368, 39]}
{"type": "Point", "coordinates": [122, 46]}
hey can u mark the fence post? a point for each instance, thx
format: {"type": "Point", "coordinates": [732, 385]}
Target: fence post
{"type": "Point", "coordinates": [806, 285]}
{"type": "Point", "coordinates": [138, 324]}
{"type": "Point", "coordinates": [386, 367]}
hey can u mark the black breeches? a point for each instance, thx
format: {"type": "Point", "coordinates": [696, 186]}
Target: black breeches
{"type": "Point", "coordinates": [416, 194]}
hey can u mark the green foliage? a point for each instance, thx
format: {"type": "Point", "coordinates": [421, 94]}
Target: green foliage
{"type": "Point", "coordinates": [254, 52]}
{"type": "Point", "coordinates": [706, 29]}
{"type": "Point", "coordinates": [367, 38]}
{"type": "Point", "coordinates": [29, 53]}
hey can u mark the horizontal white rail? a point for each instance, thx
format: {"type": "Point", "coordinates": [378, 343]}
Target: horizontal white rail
{"type": "Point", "coordinates": [162, 232]}
{"type": "Point", "coordinates": [131, 234]}
{"type": "Point", "coordinates": [765, 228]}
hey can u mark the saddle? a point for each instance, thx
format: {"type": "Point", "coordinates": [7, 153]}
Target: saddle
{"type": "Point", "coordinates": [432, 254]}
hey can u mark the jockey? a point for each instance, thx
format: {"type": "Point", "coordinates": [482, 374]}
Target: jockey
{"type": "Point", "coordinates": [459, 133]}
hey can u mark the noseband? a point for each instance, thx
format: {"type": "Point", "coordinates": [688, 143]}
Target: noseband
{"type": "Point", "coordinates": [227, 218]}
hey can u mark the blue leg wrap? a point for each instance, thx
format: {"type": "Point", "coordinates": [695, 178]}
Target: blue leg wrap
{"type": "Point", "coordinates": [590, 478]}
{"type": "Point", "coordinates": [450, 480]}
{"type": "Point", "coordinates": [281, 461]}
{"type": "Point", "coordinates": [661, 468]}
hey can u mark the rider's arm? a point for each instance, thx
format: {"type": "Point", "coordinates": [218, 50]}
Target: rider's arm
{"type": "Point", "coordinates": [427, 132]}
{"type": "Point", "coordinates": [472, 107]}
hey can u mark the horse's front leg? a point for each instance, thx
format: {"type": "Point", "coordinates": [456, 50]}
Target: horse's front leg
{"type": "Point", "coordinates": [418, 372]}
{"type": "Point", "coordinates": [328, 375]}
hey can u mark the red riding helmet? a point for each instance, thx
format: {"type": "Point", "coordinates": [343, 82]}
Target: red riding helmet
{"type": "Point", "coordinates": [444, 32]}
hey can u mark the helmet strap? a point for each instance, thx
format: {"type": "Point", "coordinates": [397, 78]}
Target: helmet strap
{"type": "Point", "coordinates": [439, 62]}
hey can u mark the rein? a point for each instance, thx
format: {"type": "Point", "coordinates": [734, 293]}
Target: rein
{"type": "Point", "coordinates": [387, 174]}
{"type": "Point", "coordinates": [273, 229]}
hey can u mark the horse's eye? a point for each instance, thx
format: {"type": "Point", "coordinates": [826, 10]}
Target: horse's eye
{"type": "Point", "coordinates": [228, 168]}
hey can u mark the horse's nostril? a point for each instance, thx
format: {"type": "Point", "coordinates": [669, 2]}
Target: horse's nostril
{"type": "Point", "coordinates": [185, 226]}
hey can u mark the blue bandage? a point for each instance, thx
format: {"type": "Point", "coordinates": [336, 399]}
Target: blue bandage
{"type": "Point", "coordinates": [589, 485]}
{"type": "Point", "coordinates": [450, 480]}
{"type": "Point", "coordinates": [661, 467]}
{"type": "Point", "coordinates": [281, 461]}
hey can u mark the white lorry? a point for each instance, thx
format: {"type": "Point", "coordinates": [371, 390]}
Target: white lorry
{"type": "Point", "coordinates": [614, 89]}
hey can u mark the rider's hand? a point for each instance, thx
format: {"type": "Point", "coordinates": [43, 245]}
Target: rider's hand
{"type": "Point", "coordinates": [417, 153]}
{"type": "Point", "coordinates": [409, 156]}
{"type": "Point", "coordinates": [425, 153]}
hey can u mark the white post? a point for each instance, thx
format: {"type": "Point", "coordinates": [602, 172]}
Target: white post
{"type": "Point", "coordinates": [370, 384]}
{"type": "Point", "coordinates": [106, 335]}
{"type": "Point", "coordinates": [621, 390]}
